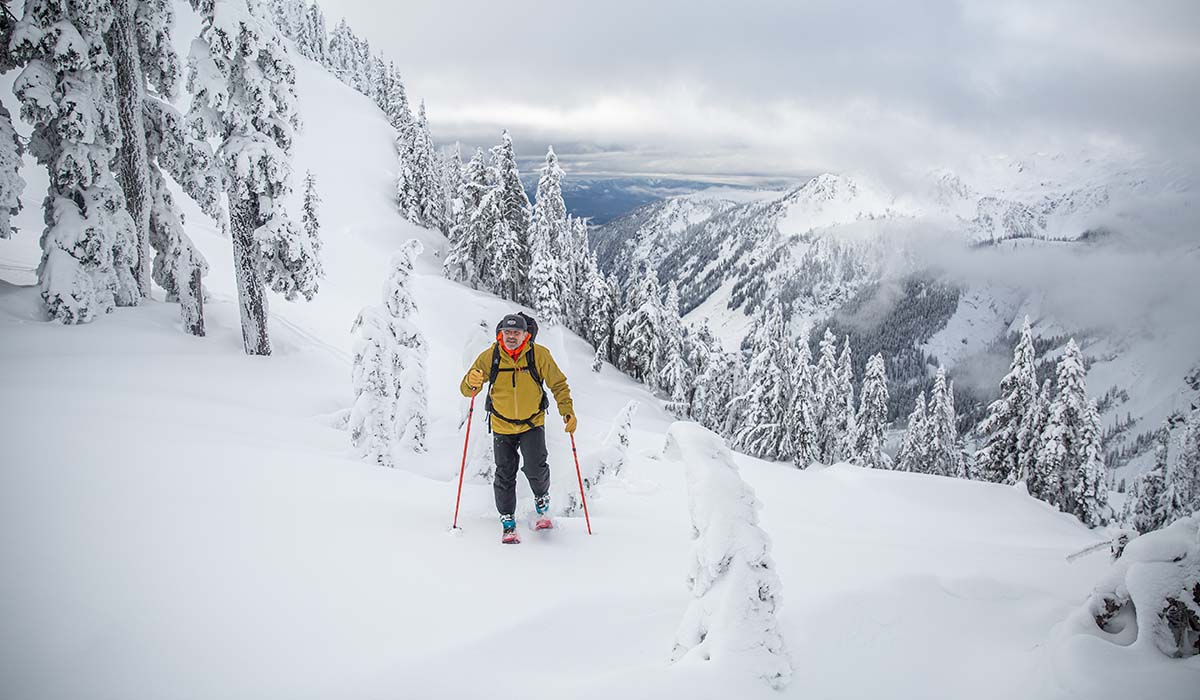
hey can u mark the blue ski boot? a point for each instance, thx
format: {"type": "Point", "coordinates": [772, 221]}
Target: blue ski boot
{"type": "Point", "coordinates": [542, 504]}
{"type": "Point", "coordinates": [509, 523]}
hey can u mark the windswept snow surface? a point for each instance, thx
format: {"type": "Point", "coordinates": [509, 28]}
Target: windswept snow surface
{"type": "Point", "coordinates": [179, 520]}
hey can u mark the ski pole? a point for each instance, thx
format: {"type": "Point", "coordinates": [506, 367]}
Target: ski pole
{"type": "Point", "coordinates": [463, 468]}
{"type": "Point", "coordinates": [579, 474]}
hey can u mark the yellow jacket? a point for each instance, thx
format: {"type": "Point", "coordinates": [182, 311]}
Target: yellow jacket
{"type": "Point", "coordinates": [515, 393]}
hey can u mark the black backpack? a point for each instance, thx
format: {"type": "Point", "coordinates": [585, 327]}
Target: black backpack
{"type": "Point", "coordinates": [530, 366]}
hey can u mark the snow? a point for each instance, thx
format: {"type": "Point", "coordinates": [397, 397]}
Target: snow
{"type": "Point", "coordinates": [179, 519]}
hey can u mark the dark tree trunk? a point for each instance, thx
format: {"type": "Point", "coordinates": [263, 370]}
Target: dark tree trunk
{"type": "Point", "coordinates": [244, 219]}
{"type": "Point", "coordinates": [132, 160]}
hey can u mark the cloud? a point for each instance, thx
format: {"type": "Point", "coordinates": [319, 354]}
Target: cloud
{"type": "Point", "coordinates": [789, 88]}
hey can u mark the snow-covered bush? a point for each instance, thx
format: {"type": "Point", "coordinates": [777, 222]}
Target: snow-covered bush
{"type": "Point", "coordinates": [1152, 593]}
{"type": "Point", "coordinates": [604, 463]}
{"type": "Point", "coordinates": [731, 618]}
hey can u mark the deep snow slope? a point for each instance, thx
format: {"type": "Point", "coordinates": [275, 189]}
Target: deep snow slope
{"type": "Point", "coordinates": [178, 520]}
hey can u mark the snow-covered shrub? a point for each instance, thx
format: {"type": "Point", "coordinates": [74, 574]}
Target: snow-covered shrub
{"type": "Point", "coordinates": [731, 618]}
{"type": "Point", "coordinates": [1152, 593]}
{"type": "Point", "coordinates": [606, 462]}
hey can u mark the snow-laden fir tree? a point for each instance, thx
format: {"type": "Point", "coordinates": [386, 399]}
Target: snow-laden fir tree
{"type": "Point", "coordinates": [674, 373]}
{"type": "Point", "coordinates": [1010, 442]}
{"type": "Point", "coordinates": [67, 91]}
{"type": "Point", "coordinates": [830, 402]}
{"type": "Point", "coordinates": [241, 80]}
{"type": "Point", "coordinates": [515, 208]}
{"type": "Point", "coordinates": [397, 109]}
{"type": "Point", "coordinates": [914, 452]}
{"type": "Point", "coordinates": [635, 333]}
{"type": "Point", "coordinates": [731, 619]}
{"type": "Point", "coordinates": [391, 390]}
{"type": "Point", "coordinates": [843, 414]}
{"type": "Point", "coordinates": [362, 67]}
{"type": "Point", "coordinates": [944, 449]}
{"type": "Point", "coordinates": [343, 52]}
{"type": "Point", "coordinates": [464, 261]}
{"type": "Point", "coordinates": [1071, 444]}
{"type": "Point", "coordinates": [419, 186]}
{"type": "Point", "coordinates": [453, 186]}
{"type": "Point", "coordinates": [871, 421]}
{"type": "Point", "coordinates": [310, 216]}
{"type": "Point", "coordinates": [310, 41]}
{"type": "Point", "coordinates": [1183, 477]}
{"type": "Point", "coordinates": [1146, 502]}
{"type": "Point", "coordinates": [548, 281]}
{"type": "Point", "coordinates": [763, 430]}
{"type": "Point", "coordinates": [1042, 480]}
{"type": "Point", "coordinates": [802, 426]}
{"type": "Point", "coordinates": [579, 261]}
{"type": "Point", "coordinates": [600, 465]}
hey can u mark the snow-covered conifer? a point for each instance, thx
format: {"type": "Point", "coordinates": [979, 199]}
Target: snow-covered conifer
{"type": "Point", "coordinates": [314, 35]}
{"type": "Point", "coordinates": [635, 333]}
{"type": "Point", "coordinates": [1071, 444]}
{"type": "Point", "coordinates": [802, 426]}
{"type": "Point", "coordinates": [241, 80]}
{"type": "Point", "coordinates": [548, 282]}
{"type": "Point", "coordinates": [389, 373]}
{"type": "Point", "coordinates": [1010, 441]}
{"type": "Point", "coordinates": [871, 421]}
{"type": "Point", "coordinates": [11, 148]}
{"type": "Point", "coordinates": [67, 91]}
{"type": "Point", "coordinates": [944, 447]}
{"type": "Point", "coordinates": [763, 430]}
{"type": "Point", "coordinates": [735, 590]}
{"type": "Point", "coordinates": [342, 52]}
{"type": "Point", "coordinates": [914, 453]}
{"type": "Point", "coordinates": [465, 262]}
{"type": "Point", "coordinates": [1147, 504]}
{"type": "Point", "coordinates": [515, 208]}
{"type": "Point", "coordinates": [842, 422]}
{"type": "Point", "coordinates": [674, 373]}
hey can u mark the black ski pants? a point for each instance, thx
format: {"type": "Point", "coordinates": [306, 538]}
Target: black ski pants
{"type": "Point", "coordinates": [532, 447]}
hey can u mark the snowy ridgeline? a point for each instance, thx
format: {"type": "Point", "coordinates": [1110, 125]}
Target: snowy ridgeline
{"type": "Point", "coordinates": [731, 618]}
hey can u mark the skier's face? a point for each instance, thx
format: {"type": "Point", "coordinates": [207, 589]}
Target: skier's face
{"type": "Point", "coordinates": [513, 338]}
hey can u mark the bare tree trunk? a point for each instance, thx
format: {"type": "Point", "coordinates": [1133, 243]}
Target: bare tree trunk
{"type": "Point", "coordinates": [244, 219]}
{"type": "Point", "coordinates": [132, 161]}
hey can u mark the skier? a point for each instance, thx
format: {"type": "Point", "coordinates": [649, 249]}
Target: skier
{"type": "Point", "coordinates": [515, 368]}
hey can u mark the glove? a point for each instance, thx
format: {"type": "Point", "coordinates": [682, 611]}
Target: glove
{"type": "Point", "coordinates": [570, 423]}
{"type": "Point", "coordinates": [475, 379]}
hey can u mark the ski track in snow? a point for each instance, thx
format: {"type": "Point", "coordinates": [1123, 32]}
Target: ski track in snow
{"type": "Point", "coordinates": [179, 520]}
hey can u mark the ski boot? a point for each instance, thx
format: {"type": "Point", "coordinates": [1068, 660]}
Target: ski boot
{"type": "Point", "coordinates": [542, 504]}
{"type": "Point", "coordinates": [509, 523]}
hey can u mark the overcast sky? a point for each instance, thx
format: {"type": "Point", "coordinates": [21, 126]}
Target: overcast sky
{"type": "Point", "coordinates": [792, 88]}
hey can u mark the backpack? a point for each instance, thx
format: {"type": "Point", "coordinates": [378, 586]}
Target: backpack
{"type": "Point", "coordinates": [530, 365]}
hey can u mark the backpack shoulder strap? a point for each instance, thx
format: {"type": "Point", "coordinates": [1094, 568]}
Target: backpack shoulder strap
{"type": "Point", "coordinates": [495, 364]}
{"type": "Point", "coordinates": [531, 365]}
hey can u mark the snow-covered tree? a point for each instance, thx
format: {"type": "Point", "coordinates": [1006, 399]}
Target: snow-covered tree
{"type": "Point", "coordinates": [944, 447]}
{"type": "Point", "coordinates": [310, 217]}
{"type": "Point", "coordinates": [397, 109]}
{"type": "Point", "coordinates": [763, 430]}
{"type": "Point", "coordinates": [601, 310]}
{"type": "Point", "coordinates": [67, 91]}
{"type": "Point", "coordinates": [465, 262]}
{"type": "Point", "coordinates": [1182, 495]}
{"type": "Point", "coordinates": [1009, 441]}
{"type": "Point", "coordinates": [241, 80]}
{"type": "Point", "coordinates": [312, 35]}
{"type": "Point", "coordinates": [548, 282]}
{"type": "Point", "coordinates": [735, 590]}
{"type": "Point", "coordinates": [635, 333]}
{"type": "Point", "coordinates": [514, 207]}
{"type": "Point", "coordinates": [603, 464]}
{"type": "Point", "coordinates": [830, 405]}
{"type": "Point", "coordinates": [391, 391]}
{"type": "Point", "coordinates": [342, 50]}
{"type": "Point", "coordinates": [1071, 444]}
{"type": "Point", "coordinates": [453, 185]}
{"type": "Point", "coordinates": [871, 421]}
{"type": "Point", "coordinates": [674, 372]}
{"type": "Point", "coordinates": [419, 187]}
{"type": "Point", "coordinates": [802, 425]}
{"type": "Point", "coordinates": [841, 418]}
{"type": "Point", "coordinates": [914, 452]}
{"type": "Point", "coordinates": [1146, 504]}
